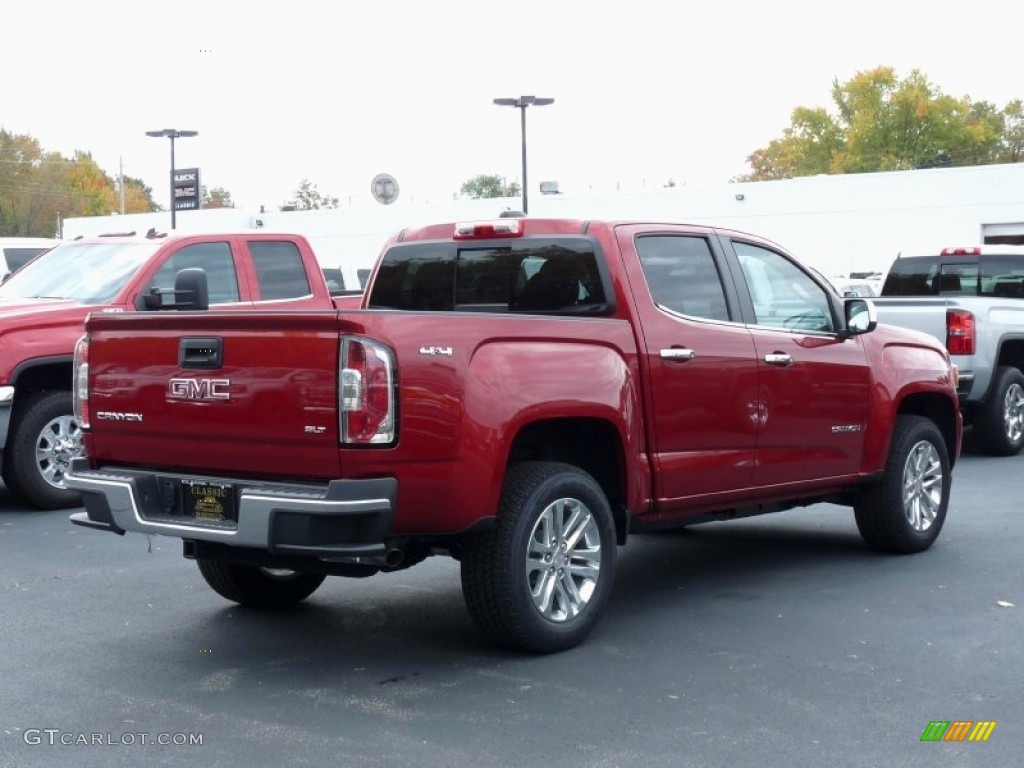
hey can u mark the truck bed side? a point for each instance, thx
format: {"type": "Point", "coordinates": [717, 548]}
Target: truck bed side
{"type": "Point", "coordinates": [473, 389]}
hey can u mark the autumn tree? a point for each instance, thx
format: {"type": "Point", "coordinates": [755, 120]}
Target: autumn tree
{"type": "Point", "coordinates": [39, 188]}
{"type": "Point", "coordinates": [485, 186]}
{"type": "Point", "coordinates": [308, 198]}
{"type": "Point", "coordinates": [138, 196]}
{"type": "Point", "coordinates": [218, 197]}
{"type": "Point", "coordinates": [882, 123]}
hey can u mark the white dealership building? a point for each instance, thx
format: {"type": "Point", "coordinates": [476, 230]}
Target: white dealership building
{"type": "Point", "coordinates": [837, 224]}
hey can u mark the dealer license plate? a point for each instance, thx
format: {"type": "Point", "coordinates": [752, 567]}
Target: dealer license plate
{"type": "Point", "coordinates": [208, 501]}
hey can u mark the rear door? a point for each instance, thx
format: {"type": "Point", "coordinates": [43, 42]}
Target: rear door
{"type": "Point", "coordinates": [813, 385]}
{"type": "Point", "coordinates": [278, 275]}
{"type": "Point", "coordinates": [699, 362]}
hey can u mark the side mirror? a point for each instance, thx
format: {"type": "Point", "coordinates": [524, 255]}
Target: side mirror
{"type": "Point", "coordinates": [861, 316]}
{"type": "Point", "coordinates": [190, 293]}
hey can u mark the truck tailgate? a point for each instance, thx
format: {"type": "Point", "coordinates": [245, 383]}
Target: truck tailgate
{"type": "Point", "coordinates": [220, 393]}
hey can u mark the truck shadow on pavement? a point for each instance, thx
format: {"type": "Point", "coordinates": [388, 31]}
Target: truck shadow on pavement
{"type": "Point", "coordinates": [395, 628]}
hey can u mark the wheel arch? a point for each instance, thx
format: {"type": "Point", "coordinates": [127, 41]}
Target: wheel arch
{"type": "Point", "coordinates": [42, 374]}
{"type": "Point", "coordinates": [1010, 353]}
{"type": "Point", "coordinates": [592, 444]}
{"type": "Point", "coordinates": [940, 410]}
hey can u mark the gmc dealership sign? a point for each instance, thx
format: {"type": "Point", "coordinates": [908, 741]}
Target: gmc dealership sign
{"type": "Point", "coordinates": [185, 182]}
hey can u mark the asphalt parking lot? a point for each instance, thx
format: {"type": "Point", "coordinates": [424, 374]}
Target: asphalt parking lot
{"type": "Point", "coordinates": [773, 641]}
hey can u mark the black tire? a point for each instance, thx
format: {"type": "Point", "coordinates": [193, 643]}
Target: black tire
{"type": "Point", "coordinates": [502, 568]}
{"type": "Point", "coordinates": [44, 437]}
{"type": "Point", "coordinates": [918, 458]}
{"type": "Point", "coordinates": [999, 424]}
{"type": "Point", "coordinates": [260, 588]}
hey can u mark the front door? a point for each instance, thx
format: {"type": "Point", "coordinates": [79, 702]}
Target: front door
{"type": "Point", "coordinates": [814, 385]}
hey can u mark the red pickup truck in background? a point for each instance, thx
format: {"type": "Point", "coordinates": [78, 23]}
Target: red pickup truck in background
{"type": "Point", "coordinates": [44, 304]}
{"type": "Point", "coordinates": [519, 394]}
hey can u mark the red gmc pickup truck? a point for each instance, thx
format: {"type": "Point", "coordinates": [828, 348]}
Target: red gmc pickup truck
{"type": "Point", "coordinates": [521, 395]}
{"type": "Point", "coordinates": [42, 313]}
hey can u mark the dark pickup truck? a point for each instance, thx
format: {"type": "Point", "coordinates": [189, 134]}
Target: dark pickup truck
{"type": "Point", "coordinates": [519, 394]}
{"type": "Point", "coordinates": [44, 304]}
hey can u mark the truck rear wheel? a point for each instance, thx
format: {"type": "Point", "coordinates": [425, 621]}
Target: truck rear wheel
{"type": "Point", "coordinates": [44, 438]}
{"type": "Point", "coordinates": [267, 589]}
{"type": "Point", "coordinates": [903, 512]}
{"type": "Point", "coordinates": [541, 579]}
{"type": "Point", "coordinates": [999, 425]}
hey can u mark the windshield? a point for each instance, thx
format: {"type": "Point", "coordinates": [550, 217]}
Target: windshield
{"type": "Point", "coordinates": [90, 273]}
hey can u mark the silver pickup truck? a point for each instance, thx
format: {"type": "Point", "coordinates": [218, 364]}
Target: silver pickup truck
{"type": "Point", "coordinates": [972, 299]}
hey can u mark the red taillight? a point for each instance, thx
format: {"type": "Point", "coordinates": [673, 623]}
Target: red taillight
{"type": "Point", "coordinates": [80, 395]}
{"type": "Point", "coordinates": [973, 251]}
{"type": "Point", "coordinates": [483, 230]}
{"type": "Point", "coordinates": [366, 393]}
{"type": "Point", "coordinates": [960, 334]}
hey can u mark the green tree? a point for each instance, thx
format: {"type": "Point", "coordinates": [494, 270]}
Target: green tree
{"type": "Point", "coordinates": [218, 197]}
{"type": "Point", "coordinates": [308, 198]}
{"type": "Point", "coordinates": [20, 158]}
{"type": "Point", "coordinates": [883, 123]}
{"type": "Point", "coordinates": [485, 186]}
{"type": "Point", "coordinates": [1013, 133]}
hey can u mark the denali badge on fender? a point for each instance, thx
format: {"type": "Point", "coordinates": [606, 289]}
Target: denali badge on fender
{"type": "Point", "coordinates": [199, 389]}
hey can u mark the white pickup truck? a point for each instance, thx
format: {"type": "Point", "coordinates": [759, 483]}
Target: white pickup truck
{"type": "Point", "coordinates": [972, 299]}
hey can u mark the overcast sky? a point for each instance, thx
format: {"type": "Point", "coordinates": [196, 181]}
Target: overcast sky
{"type": "Point", "coordinates": [645, 91]}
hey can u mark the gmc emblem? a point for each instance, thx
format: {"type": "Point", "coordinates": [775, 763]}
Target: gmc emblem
{"type": "Point", "coordinates": [199, 389]}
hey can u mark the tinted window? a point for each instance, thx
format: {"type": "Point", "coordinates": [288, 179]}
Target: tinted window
{"type": "Point", "coordinates": [214, 258]}
{"type": "Point", "coordinates": [1003, 276]}
{"type": "Point", "coordinates": [930, 276]}
{"type": "Point", "coordinates": [682, 276]}
{"type": "Point", "coordinates": [784, 295]}
{"type": "Point", "coordinates": [911, 277]}
{"type": "Point", "coordinates": [280, 272]}
{"type": "Point", "coordinates": [415, 277]}
{"type": "Point", "coordinates": [537, 275]}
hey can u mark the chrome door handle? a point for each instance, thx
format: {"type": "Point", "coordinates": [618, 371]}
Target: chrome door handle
{"type": "Point", "coordinates": [677, 353]}
{"type": "Point", "coordinates": [778, 358]}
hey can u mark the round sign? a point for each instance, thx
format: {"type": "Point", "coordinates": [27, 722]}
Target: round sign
{"type": "Point", "coordinates": [384, 188]}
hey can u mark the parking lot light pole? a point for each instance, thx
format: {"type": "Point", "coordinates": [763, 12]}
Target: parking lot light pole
{"type": "Point", "coordinates": [172, 134]}
{"type": "Point", "coordinates": [522, 103]}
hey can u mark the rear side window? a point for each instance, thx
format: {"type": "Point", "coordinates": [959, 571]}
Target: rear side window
{"type": "Point", "coordinates": [214, 258]}
{"type": "Point", "coordinates": [539, 275]}
{"type": "Point", "coordinates": [682, 276]}
{"type": "Point", "coordinates": [280, 272]}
